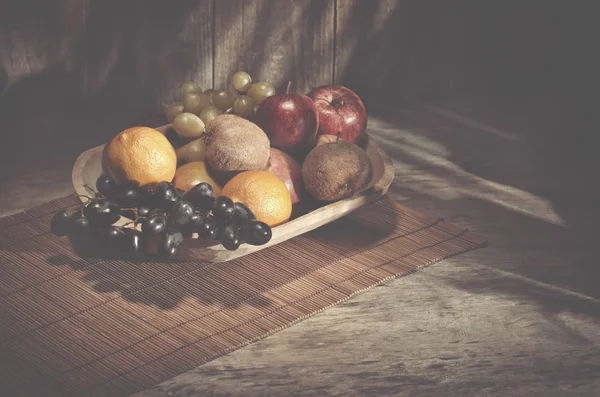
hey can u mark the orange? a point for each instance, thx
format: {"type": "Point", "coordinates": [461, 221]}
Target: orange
{"type": "Point", "coordinates": [264, 193]}
{"type": "Point", "coordinates": [189, 175]}
{"type": "Point", "coordinates": [142, 156]}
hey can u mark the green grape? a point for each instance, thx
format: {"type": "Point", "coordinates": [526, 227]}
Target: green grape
{"type": "Point", "coordinates": [210, 94]}
{"type": "Point", "coordinates": [188, 125]}
{"type": "Point", "coordinates": [195, 103]}
{"type": "Point", "coordinates": [243, 106]}
{"type": "Point", "coordinates": [261, 91]}
{"type": "Point", "coordinates": [172, 109]}
{"type": "Point", "coordinates": [223, 99]}
{"type": "Point", "coordinates": [256, 108]}
{"type": "Point", "coordinates": [190, 87]}
{"type": "Point", "coordinates": [210, 113]}
{"type": "Point", "coordinates": [192, 151]}
{"type": "Point", "coordinates": [241, 81]}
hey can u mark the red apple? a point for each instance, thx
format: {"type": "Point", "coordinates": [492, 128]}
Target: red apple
{"type": "Point", "coordinates": [340, 110]}
{"type": "Point", "coordinates": [291, 120]}
{"type": "Point", "coordinates": [289, 171]}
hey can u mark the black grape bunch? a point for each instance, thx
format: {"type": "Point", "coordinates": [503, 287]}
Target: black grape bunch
{"type": "Point", "coordinates": [166, 216]}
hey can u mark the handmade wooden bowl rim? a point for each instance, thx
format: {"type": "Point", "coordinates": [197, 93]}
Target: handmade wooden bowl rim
{"type": "Point", "coordinates": [89, 162]}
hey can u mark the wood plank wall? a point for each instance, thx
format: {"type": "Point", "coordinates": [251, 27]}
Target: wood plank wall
{"type": "Point", "coordinates": [139, 51]}
{"type": "Point", "coordinates": [142, 49]}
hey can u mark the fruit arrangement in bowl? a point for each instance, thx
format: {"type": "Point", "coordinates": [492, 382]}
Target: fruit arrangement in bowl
{"type": "Point", "coordinates": [233, 172]}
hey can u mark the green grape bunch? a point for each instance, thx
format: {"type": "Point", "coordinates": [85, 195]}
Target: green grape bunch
{"type": "Point", "coordinates": [242, 99]}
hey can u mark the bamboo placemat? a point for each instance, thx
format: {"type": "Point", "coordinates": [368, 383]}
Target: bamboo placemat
{"type": "Point", "coordinates": [92, 327]}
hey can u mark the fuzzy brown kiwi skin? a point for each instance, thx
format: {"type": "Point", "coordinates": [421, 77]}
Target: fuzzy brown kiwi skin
{"type": "Point", "coordinates": [244, 146]}
{"type": "Point", "coordinates": [320, 179]}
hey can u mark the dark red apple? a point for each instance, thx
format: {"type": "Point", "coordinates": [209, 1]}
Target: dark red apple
{"type": "Point", "coordinates": [289, 171]}
{"type": "Point", "coordinates": [340, 111]}
{"type": "Point", "coordinates": [291, 120]}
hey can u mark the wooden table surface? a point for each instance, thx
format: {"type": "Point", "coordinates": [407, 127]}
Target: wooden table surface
{"type": "Point", "coordinates": [518, 318]}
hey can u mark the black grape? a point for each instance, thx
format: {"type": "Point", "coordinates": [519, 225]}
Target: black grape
{"type": "Point", "coordinates": [201, 196]}
{"type": "Point", "coordinates": [230, 237]}
{"type": "Point", "coordinates": [241, 214]}
{"type": "Point", "coordinates": [165, 196]}
{"type": "Point", "coordinates": [81, 225]}
{"type": "Point", "coordinates": [256, 233]}
{"type": "Point", "coordinates": [181, 213]}
{"type": "Point", "coordinates": [134, 214]}
{"type": "Point", "coordinates": [154, 224]}
{"type": "Point", "coordinates": [105, 185]}
{"type": "Point", "coordinates": [146, 198]}
{"type": "Point", "coordinates": [128, 196]}
{"type": "Point", "coordinates": [81, 236]}
{"type": "Point", "coordinates": [102, 212]}
{"type": "Point", "coordinates": [143, 211]}
{"type": "Point", "coordinates": [114, 239]}
{"type": "Point", "coordinates": [196, 223]}
{"type": "Point", "coordinates": [170, 245]}
{"type": "Point", "coordinates": [61, 223]}
{"type": "Point", "coordinates": [115, 233]}
{"type": "Point", "coordinates": [135, 242]}
{"type": "Point", "coordinates": [223, 207]}
{"type": "Point", "coordinates": [209, 230]}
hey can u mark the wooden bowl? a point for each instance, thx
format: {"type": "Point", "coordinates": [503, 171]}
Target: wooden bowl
{"type": "Point", "coordinates": [88, 168]}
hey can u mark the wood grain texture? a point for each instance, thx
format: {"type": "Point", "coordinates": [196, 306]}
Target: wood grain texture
{"type": "Point", "coordinates": [35, 37]}
{"type": "Point", "coordinates": [382, 49]}
{"type": "Point", "coordinates": [141, 54]}
{"type": "Point", "coordinates": [187, 52]}
{"type": "Point", "coordinates": [275, 41]}
{"type": "Point", "coordinates": [38, 39]}
{"type": "Point", "coordinates": [148, 49]}
{"type": "Point", "coordinates": [389, 49]}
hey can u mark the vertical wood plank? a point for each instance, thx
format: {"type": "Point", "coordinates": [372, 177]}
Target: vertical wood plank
{"type": "Point", "coordinates": [146, 50]}
{"type": "Point", "coordinates": [37, 36]}
{"type": "Point", "coordinates": [275, 41]}
{"type": "Point", "coordinates": [40, 69]}
{"type": "Point", "coordinates": [109, 47]}
{"type": "Point", "coordinates": [185, 50]}
{"type": "Point", "coordinates": [229, 33]}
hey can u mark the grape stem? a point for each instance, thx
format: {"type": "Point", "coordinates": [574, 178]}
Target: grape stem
{"type": "Point", "coordinates": [287, 91]}
{"type": "Point", "coordinates": [90, 190]}
{"type": "Point", "coordinates": [338, 135]}
{"type": "Point", "coordinates": [85, 196]}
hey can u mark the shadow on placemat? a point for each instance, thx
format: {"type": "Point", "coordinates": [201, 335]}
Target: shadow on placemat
{"type": "Point", "coordinates": [103, 326]}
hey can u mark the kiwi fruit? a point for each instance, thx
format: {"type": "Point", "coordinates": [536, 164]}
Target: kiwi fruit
{"type": "Point", "coordinates": [233, 143]}
{"type": "Point", "coordinates": [336, 170]}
